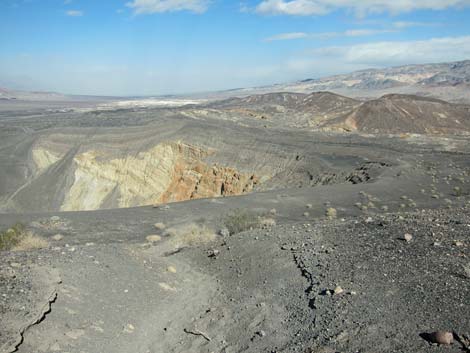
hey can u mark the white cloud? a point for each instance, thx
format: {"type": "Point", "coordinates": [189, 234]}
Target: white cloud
{"type": "Point", "coordinates": [329, 35]}
{"type": "Point", "coordinates": [396, 52]}
{"type": "Point", "coordinates": [74, 13]}
{"type": "Point", "coordinates": [159, 6]}
{"type": "Point", "coordinates": [406, 24]}
{"type": "Point", "coordinates": [366, 32]}
{"type": "Point", "coordinates": [360, 7]}
{"type": "Point", "coordinates": [287, 36]}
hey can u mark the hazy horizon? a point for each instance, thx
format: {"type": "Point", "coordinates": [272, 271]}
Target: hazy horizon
{"type": "Point", "coordinates": [159, 47]}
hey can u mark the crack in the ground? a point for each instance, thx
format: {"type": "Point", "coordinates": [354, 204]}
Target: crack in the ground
{"type": "Point", "coordinates": [312, 282]}
{"type": "Point", "coordinates": [46, 309]}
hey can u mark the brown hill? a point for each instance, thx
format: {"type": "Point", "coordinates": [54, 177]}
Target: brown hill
{"type": "Point", "coordinates": [396, 113]}
{"type": "Point", "coordinates": [293, 109]}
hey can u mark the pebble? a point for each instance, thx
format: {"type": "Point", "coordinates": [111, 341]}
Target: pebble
{"type": "Point", "coordinates": [261, 333]}
{"type": "Point", "coordinates": [338, 290]}
{"type": "Point", "coordinates": [153, 238]}
{"type": "Point", "coordinates": [408, 237]}
{"type": "Point", "coordinates": [442, 337]}
{"type": "Point", "coordinates": [160, 226]}
{"type": "Point", "coordinates": [224, 232]}
{"type": "Point", "coordinates": [57, 237]}
{"type": "Point", "coordinates": [213, 253]}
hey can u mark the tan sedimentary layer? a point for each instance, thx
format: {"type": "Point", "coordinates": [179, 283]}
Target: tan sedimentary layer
{"type": "Point", "coordinates": [165, 173]}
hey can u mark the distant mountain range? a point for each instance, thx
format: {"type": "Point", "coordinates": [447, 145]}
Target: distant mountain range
{"type": "Point", "coordinates": [448, 81]}
{"type": "Point", "coordinates": [8, 94]}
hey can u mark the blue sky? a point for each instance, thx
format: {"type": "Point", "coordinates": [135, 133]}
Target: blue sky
{"type": "Point", "coordinates": [150, 47]}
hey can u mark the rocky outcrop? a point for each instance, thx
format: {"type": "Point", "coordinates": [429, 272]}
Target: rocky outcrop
{"type": "Point", "coordinates": [43, 158]}
{"type": "Point", "coordinates": [168, 172]}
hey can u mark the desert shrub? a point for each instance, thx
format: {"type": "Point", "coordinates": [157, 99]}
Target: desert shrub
{"type": "Point", "coordinates": [190, 234]}
{"type": "Point", "coordinates": [30, 242]}
{"type": "Point", "coordinates": [331, 213]}
{"type": "Point", "coordinates": [17, 238]}
{"type": "Point", "coordinates": [241, 220]}
{"type": "Point", "coordinates": [12, 237]}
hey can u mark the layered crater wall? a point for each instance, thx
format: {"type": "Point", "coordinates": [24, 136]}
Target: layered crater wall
{"type": "Point", "coordinates": [171, 160]}
{"type": "Point", "coordinates": [168, 172]}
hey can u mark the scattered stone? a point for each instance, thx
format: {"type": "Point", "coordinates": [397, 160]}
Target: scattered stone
{"type": "Point", "coordinates": [160, 226]}
{"type": "Point", "coordinates": [55, 218]}
{"type": "Point", "coordinates": [466, 270]}
{"type": "Point", "coordinates": [153, 238]}
{"type": "Point", "coordinates": [261, 333]}
{"type": "Point", "coordinates": [442, 337]}
{"type": "Point", "coordinates": [224, 232]}
{"type": "Point", "coordinates": [338, 290]}
{"type": "Point", "coordinates": [58, 237]}
{"type": "Point", "coordinates": [213, 253]}
{"type": "Point", "coordinates": [407, 237]}
{"type": "Point", "coordinates": [129, 328]}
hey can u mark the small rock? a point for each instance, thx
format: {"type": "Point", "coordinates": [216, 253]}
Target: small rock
{"type": "Point", "coordinates": [15, 265]}
{"type": "Point", "coordinates": [309, 205]}
{"type": "Point", "coordinates": [407, 237]}
{"type": "Point", "coordinates": [129, 328]}
{"type": "Point", "coordinates": [224, 232]}
{"type": "Point", "coordinates": [171, 269]}
{"type": "Point", "coordinates": [306, 214]}
{"type": "Point", "coordinates": [55, 218]}
{"type": "Point", "coordinates": [338, 290]}
{"type": "Point", "coordinates": [369, 220]}
{"type": "Point", "coordinates": [213, 253]}
{"type": "Point", "coordinates": [160, 225]}
{"type": "Point", "coordinates": [442, 337]}
{"type": "Point", "coordinates": [153, 238]}
{"type": "Point", "coordinates": [261, 333]}
{"type": "Point", "coordinates": [458, 243]}
{"type": "Point", "coordinates": [57, 237]}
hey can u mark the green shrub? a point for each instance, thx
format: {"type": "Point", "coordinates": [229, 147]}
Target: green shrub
{"type": "Point", "coordinates": [12, 236]}
{"type": "Point", "coordinates": [241, 220]}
